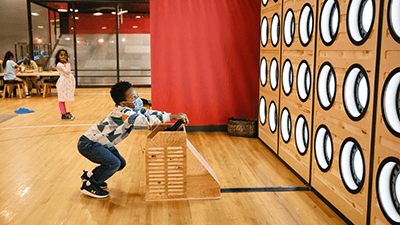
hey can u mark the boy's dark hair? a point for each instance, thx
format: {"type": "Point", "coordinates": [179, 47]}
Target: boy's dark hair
{"type": "Point", "coordinates": [118, 91]}
{"type": "Point", "coordinates": [7, 56]}
{"type": "Point", "coordinates": [58, 53]}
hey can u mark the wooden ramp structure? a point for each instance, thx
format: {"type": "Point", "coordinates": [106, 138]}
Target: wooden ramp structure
{"type": "Point", "coordinates": [175, 170]}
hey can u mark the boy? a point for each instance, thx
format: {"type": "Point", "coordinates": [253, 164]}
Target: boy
{"type": "Point", "coordinates": [97, 144]}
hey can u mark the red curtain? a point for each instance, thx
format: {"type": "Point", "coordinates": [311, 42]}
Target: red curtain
{"type": "Point", "coordinates": [204, 59]}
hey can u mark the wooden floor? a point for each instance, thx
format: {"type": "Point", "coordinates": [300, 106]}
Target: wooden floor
{"type": "Point", "coordinates": [40, 169]}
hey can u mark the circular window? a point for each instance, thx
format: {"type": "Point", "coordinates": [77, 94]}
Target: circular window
{"type": "Point", "coordinates": [388, 189]}
{"type": "Point", "coordinates": [273, 74]}
{"type": "Point", "coordinates": [287, 77]}
{"type": "Point", "coordinates": [323, 148]}
{"type": "Point", "coordinates": [306, 24]}
{"type": "Point", "coordinates": [289, 27]}
{"type": "Point", "coordinates": [356, 92]}
{"type": "Point", "coordinates": [329, 22]}
{"type": "Point", "coordinates": [264, 31]}
{"type": "Point", "coordinates": [263, 72]}
{"type": "Point", "coordinates": [391, 102]}
{"type": "Point", "coordinates": [286, 125]}
{"type": "Point", "coordinates": [301, 135]}
{"type": "Point", "coordinates": [275, 30]}
{"type": "Point", "coordinates": [303, 80]}
{"type": "Point", "coordinates": [264, 2]}
{"type": "Point", "coordinates": [326, 88]}
{"type": "Point", "coordinates": [272, 117]}
{"type": "Point", "coordinates": [360, 17]}
{"type": "Point", "coordinates": [352, 165]}
{"type": "Point", "coordinates": [394, 19]}
{"type": "Point", "coordinates": [263, 111]}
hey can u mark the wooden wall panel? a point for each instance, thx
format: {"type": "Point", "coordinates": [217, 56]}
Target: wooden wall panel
{"type": "Point", "coordinates": [387, 144]}
{"type": "Point", "coordinates": [270, 52]}
{"type": "Point", "coordinates": [342, 54]}
{"type": "Point", "coordinates": [297, 52]}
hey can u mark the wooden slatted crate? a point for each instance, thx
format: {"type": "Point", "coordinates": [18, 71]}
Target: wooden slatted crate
{"type": "Point", "coordinates": [175, 170]}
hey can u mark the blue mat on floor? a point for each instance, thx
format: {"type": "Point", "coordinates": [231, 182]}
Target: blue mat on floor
{"type": "Point", "coordinates": [23, 111]}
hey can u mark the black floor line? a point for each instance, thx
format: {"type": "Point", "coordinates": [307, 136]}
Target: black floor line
{"type": "Point", "coordinates": [264, 189]}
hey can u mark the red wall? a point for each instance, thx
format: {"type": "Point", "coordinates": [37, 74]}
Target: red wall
{"type": "Point", "coordinates": [204, 59]}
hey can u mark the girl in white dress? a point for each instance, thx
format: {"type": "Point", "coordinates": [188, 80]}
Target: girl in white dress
{"type": "Point", "coordinates": [65, 84]}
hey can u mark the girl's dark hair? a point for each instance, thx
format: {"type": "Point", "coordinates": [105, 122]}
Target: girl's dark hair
{"type": "Point", "coordinates": [8, 55]}
{"type": "Point", "coordinates": [27, 61]}
{"type": "Point", "coordinates": [118, 91]}
{"type": "Point", "coordinates": [58, 53]}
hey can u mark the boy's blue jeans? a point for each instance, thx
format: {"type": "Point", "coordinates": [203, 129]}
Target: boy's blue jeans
{"type": "Point", "coordinates": [109, 158]}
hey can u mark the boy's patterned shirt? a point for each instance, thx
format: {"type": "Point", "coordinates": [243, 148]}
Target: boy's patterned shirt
{"type": "Point", "coordinates": [120, 122]}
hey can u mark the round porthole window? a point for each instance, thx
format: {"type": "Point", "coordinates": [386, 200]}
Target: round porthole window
{"type": "Point", "coordinates": [273, 74]}
{"type": "Point", "coordinates": [275, 30]}
{"type": "Point", "coordinates": [287, 77]}
{"type": "Point", "coordinates": [326, 86]}
{"type": "Point", "coordinates": [301, 134]}
{"type": "Point", "coordinates": [263, 111]}
{"type": "Point", "coordinates": [286, 125]}
{"type": "Point", "coordinates": [263, 71]}
{"type": "Point", "coordinates": [329, 22]}
{"type": "Point", "coordinates": [323, 148]}
{"type": "Point", "coordinates": [394, 19]}
{"type": "Point", "coordinates": [388, 189]}
{"type": "Point", "coordinates": [306, 24]}
{"type": "Point", "coordinates": [360, 17]}
{"type": "Point", "coordinates": [289, 27]}
{"type": "Point", "coordinates": [352, 165]}
{"type": "Point", "coordinates": [391, 102]}
{"type": "Point", "coordinates": [264, 2]}
{"type": "Point", "coordinates": [356, 92]}
{"type": "Point", "coordinates": [303, 80]}
{"type": "Point", "coordinates": [272, 116]}
{"type": "Point", "coordinates": [264, 31]}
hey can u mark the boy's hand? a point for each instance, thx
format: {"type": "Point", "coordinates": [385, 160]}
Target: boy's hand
{"type": "Point", "coordinates": [180, 116]}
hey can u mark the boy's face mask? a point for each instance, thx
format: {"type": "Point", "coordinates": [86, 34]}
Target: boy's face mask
{"type": "Point", "coordinates": [138, 103]}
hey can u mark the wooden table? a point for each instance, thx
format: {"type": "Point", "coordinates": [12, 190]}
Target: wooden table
{"type": "Point", "coordinates": [43, 74]}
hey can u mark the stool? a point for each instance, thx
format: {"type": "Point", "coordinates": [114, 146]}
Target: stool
{"type": "Point", "coordinates": [9, 87]}
{"type": "Point", "coordinates": [47, 87]}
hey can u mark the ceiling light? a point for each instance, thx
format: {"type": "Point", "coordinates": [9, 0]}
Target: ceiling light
{"type": "Point", "coordinates": [77, 18]}
{"type": "Point", "coordinates": [137, 16]}
{"type": "Point", "coordinates": [135, 26]}
{"type": "Point", "coordinates": [101, 40]}
{"type": "Point", "coordinates": [113, 13]}
{"type": "Point", "coordinates": [62, 10]}
{"type": "Point", "coordinates": [41, 27]}
{"type": "Point", "coordinates": [97, 14]}
{"type": "Point", "coordinates": [35, 14]}
{"type": "Point", "coordinates": [104, 28]}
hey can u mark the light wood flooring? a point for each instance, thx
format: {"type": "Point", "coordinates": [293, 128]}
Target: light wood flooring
{"type": "Point", "coordinates": [40, 169]}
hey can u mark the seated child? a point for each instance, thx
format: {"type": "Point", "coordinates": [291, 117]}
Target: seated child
{"type": "Point", "coordinates": [98, 143]}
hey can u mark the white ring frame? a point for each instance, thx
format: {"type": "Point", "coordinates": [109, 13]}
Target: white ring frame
{"type": "Point", "coordinates": [348, 166]}
{"type": "Point", "coordinates": [305, 28]}
{"type": "Point", "coordinates": [289, 27]}
{"type": "Point", "coordinates": [326, 84]}
{"type": "Point", "coordinates": [329, 21]}
{"type": "Point", "coordinates": [323, 146]}
{"type": "Point", "coordinates": [286, 130]}
{"type": "Point", "coordinates": [274, 74]}
{"type": "Point", "coordinates": [263, 71]}
{"type": "Point", "coordinates": [356, 20]}
{"type": "Point", "coordinates": [264, 31]}
{"type": "Point", "coordinates": [394, 19]}
{"type": "Point", "coordinates": [303, 81]}
{"type": "Point", "coordinates": [301, 135]}
{"type": "Point", "coordinates": [287, 77]}
{"type": "Point", "coordinates": [272, 116]}
{"type": "Point", "coordinates": [263, 111]}
{"type": "Point", "coordinates": [390, 103]}
{"type": "Point", "coordinates": [275, 29]}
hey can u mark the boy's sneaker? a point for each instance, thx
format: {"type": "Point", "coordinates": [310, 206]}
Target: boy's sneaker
{"type": "Point", "coordinates": [93, 190]}
{"type": "Point", "coordinates": [28, 95]}
{"type": "Point", "coordinates": [67, 116]}
{"type": "Point", "coordinates": [85, 177]}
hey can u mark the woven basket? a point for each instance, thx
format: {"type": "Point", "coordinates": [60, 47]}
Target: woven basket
{"type": "Point", "coordinates": [242, 127]}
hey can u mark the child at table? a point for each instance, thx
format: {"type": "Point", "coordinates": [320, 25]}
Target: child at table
{"type": "Point", "coordinates": [98, 143]}
{"type": "Point", "coordinates": [65, 84]}
{"type": "Point", "coordinates": [31, 66]}
{"type": "Point", "coordinates": [9, 71]}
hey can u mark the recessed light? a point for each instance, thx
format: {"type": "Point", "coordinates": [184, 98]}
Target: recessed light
{"type": "Point", "coordinates": [62, 10]}
{"type": "Point", "coordinates": [97, 14]}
